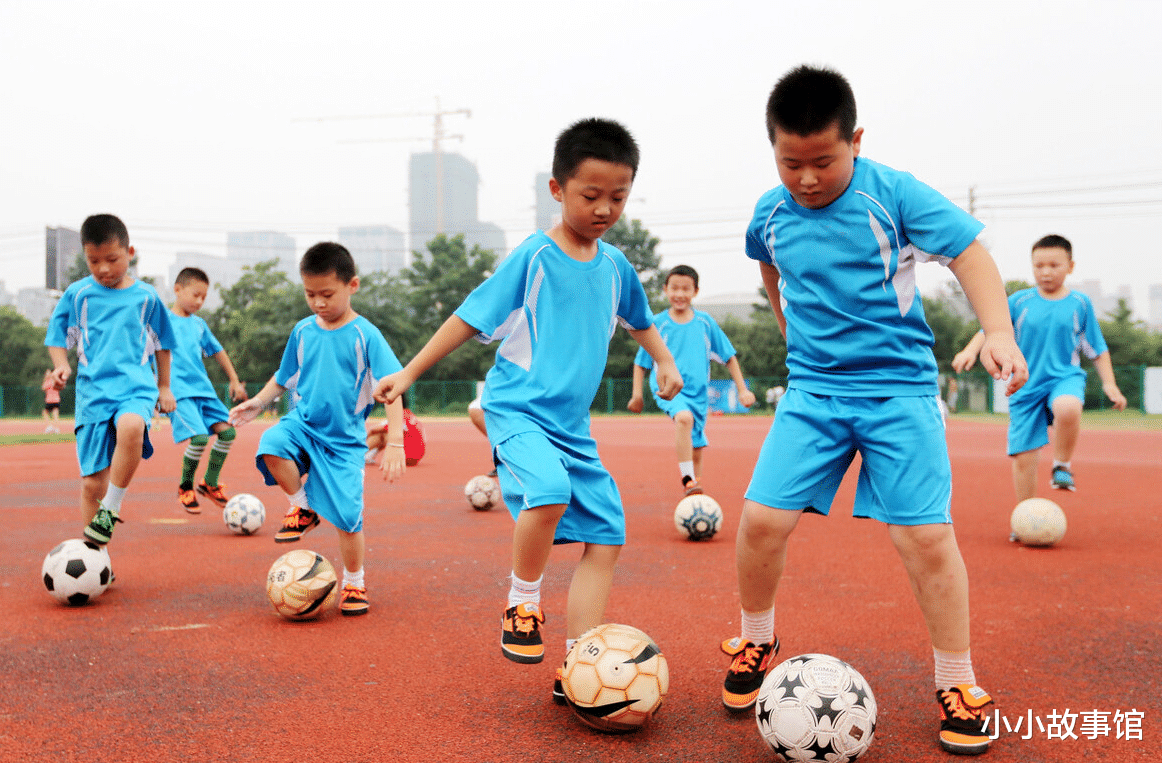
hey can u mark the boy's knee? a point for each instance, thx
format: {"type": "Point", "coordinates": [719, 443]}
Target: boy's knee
{"type": "Point", "coordinates": [227, 435]}
{"type": "Point", "coordinates": [684, 418]}
{"type": "Point", "coordinates": [199, 440]}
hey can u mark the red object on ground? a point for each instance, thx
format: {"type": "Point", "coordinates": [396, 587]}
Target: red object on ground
{"type": "Point", "coordinates": [414, 446]}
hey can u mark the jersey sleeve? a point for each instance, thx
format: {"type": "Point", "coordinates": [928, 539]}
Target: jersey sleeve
{"type": "Point", "coordinates": [1093, 342]}
{"type": "Point", "coordinates": [492, 304]}
{"type": "Point", "coordinates": [288, 369]}
{"type": "Point", "coordinates": [938, 229]}
{"type": "Point", "coordinates": [757, 247]}
{"type": "Point", "coordinates": [57, 333]}
{"type": "Point", "coordinates": [160, 324]}
{"type": "Point", "coordinates": [633, 306]}
{"type": "Point", "coordinates": [643, 359]}
{"type": "Point", "coordinates": [382, 359]}
{"type": "Point", "coordinates": [210, 344]}
{"type": "Point", "coordinates": [721, 350]}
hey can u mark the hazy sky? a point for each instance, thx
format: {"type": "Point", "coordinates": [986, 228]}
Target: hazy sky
{"type": "Point", "coordinates": [187, 118]}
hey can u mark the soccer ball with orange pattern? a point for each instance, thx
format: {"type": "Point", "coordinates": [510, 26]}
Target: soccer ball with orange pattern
{"type": "Point", "coordinates": [302, 585]}
{"type": "Point", "coordinates": [615, 678]}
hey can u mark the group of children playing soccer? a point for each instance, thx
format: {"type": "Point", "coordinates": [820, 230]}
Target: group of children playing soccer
{"type": "Point", "coordinates": [837, 243]}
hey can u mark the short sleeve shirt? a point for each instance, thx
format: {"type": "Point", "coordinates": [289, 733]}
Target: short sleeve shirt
{"type": "Point", "coordinates": [115, 333]}
{"type": "Point", "coordinates": [847, 282]}
{"type": "Point", "coordinates": [187, 374]}
{"type": "Point", "coordinates": [554, 317]}
{"type": "Point", "coordinates": [1053, 334]}
{"type": "Point", "coordinates": [694, 344]}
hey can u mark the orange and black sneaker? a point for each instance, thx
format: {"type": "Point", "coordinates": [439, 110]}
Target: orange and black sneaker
{"type": "Point", "coordinates": [296, 522]}
{"type": "Point", "coordinates": [558, 687]}
{"type": "Point", "coordinates": [962, 719]}
{"type": "Point", "coordinates": [691, 486]}
{"type": "Point", "coordinates": [747, 670]}
{"type": "Point", "coordinates": [353, 601]}
{"type": "Point", "coordinates": [189, 500]}
{"type": "Point", "coordinates": [216, 493]}
{"type": "Point", "coordinates": [520, 634]}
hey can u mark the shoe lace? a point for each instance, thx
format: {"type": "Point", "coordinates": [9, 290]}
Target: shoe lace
{"type": "Point", "coordinates": [525, 624]}
{"type": "Point", "coordinates": [352, 592]}
{"type": "Point", "coordinates": [748, 659]}
{"type": "Point", "coordinates": [954, 706]}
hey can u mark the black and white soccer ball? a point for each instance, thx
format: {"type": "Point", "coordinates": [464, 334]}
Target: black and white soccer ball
{"type": "Point", "coordinates": [244, 514]}
{"type": "Point", "coordinates": [76, 571]}
{"type": "Point", "coordinates": [816, 707]}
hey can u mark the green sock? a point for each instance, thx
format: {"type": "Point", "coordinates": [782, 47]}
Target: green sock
{"type": "Point", "coordinates": [190, 460]}
{"type": "Point", "coordinates": [218, 453]}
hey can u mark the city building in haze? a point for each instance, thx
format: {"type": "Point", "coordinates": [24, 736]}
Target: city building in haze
{"type": "Point", "coordinates": [253, 247]}
{"type": "Point", "coordinates": [548, 209]}
{"type": "Point", "coordinates": [375, 248]}
{"type": "Point", "coordinates": [61, 247]}
{"type": "Point", "coordinates": [442, 198]}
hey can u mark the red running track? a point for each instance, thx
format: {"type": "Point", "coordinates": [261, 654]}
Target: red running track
{"type": "Point", "coordinates": [184, 660]}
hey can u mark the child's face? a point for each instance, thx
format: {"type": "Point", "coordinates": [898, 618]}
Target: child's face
{"type": "Point", "coordinates": [816, 168]}
{"type": "Point", "coordinates": [189, 297]}
{"type": "Point", "coordinates": [680, 291]}
{"type": "Point", "coordinates": [594, 198]}
{"type": "Point", "coordinates": [1051, 265]}
{"type": "Point", "coordinates": [328, 296]}
{"type": "Point", "coordinates": [109, 262]}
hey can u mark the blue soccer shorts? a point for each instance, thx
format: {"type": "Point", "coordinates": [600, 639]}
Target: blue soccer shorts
{"type": "Point", "coordinates": [335, 487]}
{"type": "Point", "coordinates": [195, 416]}
{"type": "Point", "coordinates": [97, 440]}
{"type": "Point", "coordinates": [1031, 412]}
{"type": "Point", "coordinates": [904, 478]}
{"type": "Point", "coordinates": [533, 472]}
{"type": "Point", "coordinates": [681, 403]}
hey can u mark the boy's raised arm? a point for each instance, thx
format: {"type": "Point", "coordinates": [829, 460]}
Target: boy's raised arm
{"type": "Point", "coordinates": [237, 388]}
{"type": "Point", "coordinates": [248, 411]}
{"type": "Point", "coordinates": [61, 370]}
{"type": "Point", "coordinates": [746, 398]}
{"type": "Point", "coordinates": [636, 400]}
{"type": "Point", "coordinates": [982, 284]}
{"type": "Point", "coordinates": [965, 359]}
{"type": "Point", "coordinates": [165, 398]}
{"type": "Point", "coordinates": [447, 338]}
{"type": "Point", "coordinates": [669, 379]}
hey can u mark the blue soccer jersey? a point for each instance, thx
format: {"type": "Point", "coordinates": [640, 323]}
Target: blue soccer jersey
{"type": "Point", "coordinates": [693, 344]}
{"type": "Point", "coordinates": [554, 317]}
{"type": "Point", "coordinates": [855, 321]}
{"type": "Point", "coordinates": [331, 374]}
{"type": "Point", "coordinates": [1053, 334]}
{"type": "Point", "coordinates": [187, 372]}
{"type": "Point", "coordinates": [115, 333]}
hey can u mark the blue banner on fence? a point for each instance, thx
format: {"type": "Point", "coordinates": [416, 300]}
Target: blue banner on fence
{"type": "Point", "coordinates": [723, 396]}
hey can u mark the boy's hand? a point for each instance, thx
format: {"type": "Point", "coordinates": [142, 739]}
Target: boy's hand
{"type": "Point", "coordinates": [1115, 395]}
{"type": "Point", "coordinates": [392, 386]}
{"type": "Point", "coordinates": [165, 400]}
{"type": "Point", "coordinates": [60, 376]}
{"type": "Point", "coordinates": [669, 380]}
{"type": "Point", "coordinates": [1003, 360]}
{"type": "Point", "coordinates": [393, 463]}
{"type": "Point", "coordinates": [636, 404]}
{"type": "Point", "coordinates": [237, 391]}
{"type": "Point", "coordinates": [244, 413]}
{"type": "Point", "coordinates": [746, 398]}
{"type": "Point", "coordinates": [963, 361]}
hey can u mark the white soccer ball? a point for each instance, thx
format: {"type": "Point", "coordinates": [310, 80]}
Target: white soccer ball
{"type": "Point", "coordinates": [816, 707]}
{"type": "Point", "coordinates": [1038, 522]}
{"type": "Point", "coordinates": [482, 492]}
{"type": "Point", "coordinates": [698, 517]}
{"type": "Point", "coordinates": [244, 514]}
{"type": "Point", "coordinates": [615, 678]}
{"type": "Point", "coordinates": [76, 571]}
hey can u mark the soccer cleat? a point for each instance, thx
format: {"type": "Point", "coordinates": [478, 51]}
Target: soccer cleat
{"type": "Point", "coordinates": [100, 530]}
{"type": "Point", "coordinates": [520, 634]}
{"type": "Point", "coordinates": [962, 719]}
{"type": "Point", "coordinates": [747, 670]}
{"type": "Point", "coordinates": [353, 601]}
{"type": "Point", "coordinates": [296, 522]}
{"type": "Point", "coordinates": [691, 486]}
{"type": "Point", "coordinates": [216, 493]}
{"type": "Point", "coordinates": [558, 687]}
{"type": "Point", "coordinates": [189, 499]}
{"type": "Point", "coordinates": [1062, 479]}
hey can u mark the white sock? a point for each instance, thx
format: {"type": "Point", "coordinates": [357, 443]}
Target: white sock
{"type": "Point", "coordinates": [953, 669]}
{"type": "Point", "coordinates": [353, 578]}
{"type": "Point", "coordinates": [524, 591]}
{"type": "Point", "coordinates": [1057, 463]}
{"type": "Point", "coordinates": [299, 499]}
{"type": "Point", "coordinates": [759, 627]}
{"type": "Point", "coordinates": [112, 499]}
{"type": "Point", "coordinates": [687, 469]}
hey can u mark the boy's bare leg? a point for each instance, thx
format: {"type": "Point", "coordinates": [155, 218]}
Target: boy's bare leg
{"type": "Point", "coordinates": [127, 454]}
{"type": "Point", "coordinates": [760, 553]}
{"type": "Point", "coordinates": [285, 473]}
{"type": "Point", "coordinates": [939, 581]}
{"type": "Point", "coordinates": [532, 540]}
{"type": "Point", "coordinates": [352, 549]}
{"type": "Point", "coordinates": [1066, 426]}
{"type": "Point", "coordinates": [698, 464]}
{"type": "Point", "coordinates": [93, 488]}
{"type": "Point", "coordinates": [589, 590]}
{"type": "Point", "coordinates": [1025, 474]}
{"type": "Point", "coordinates": [683, 427]}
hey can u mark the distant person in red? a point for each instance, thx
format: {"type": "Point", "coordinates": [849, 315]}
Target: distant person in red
{"type": "Point", "coordinates": [52, 404]}
{"type": "Point", "coordinates": [413, 439]}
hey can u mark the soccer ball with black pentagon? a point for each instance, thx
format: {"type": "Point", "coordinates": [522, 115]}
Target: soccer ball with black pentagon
{"type": "Point", "coordinates": [698, 517]}
{"type": "Point", "coordinates": [482, 492]}
{"type": "Point", "coordinates": [815, 707]}
{"type": "Point", "coordinates": [302, 585]}
{"type": "Point", "coordinates": [76, 571]}
{"type": "Point", "coordinates": [244, 514]}
{"type": "Point", "coordinates": [615, 678]}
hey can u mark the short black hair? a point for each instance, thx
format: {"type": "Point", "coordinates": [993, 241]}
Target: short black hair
{"type": "Point", "coordinates": [683, 270]}
{"type": "Point", "coordinates": [191, 274]}
{"type": "Point", "coordinates": [810, 99]}
{"type": "Point", "coordinates": [101, 229]}
{"type": "Point", "coordinates": [1054, 240]}
{"type": "Point", "coordinates": [593, 138]}
{"type": "Point", "coordinates": [328, 257]}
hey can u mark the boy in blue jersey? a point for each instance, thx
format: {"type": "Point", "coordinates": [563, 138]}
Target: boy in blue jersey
{"type": "Point", "coordinates": [554, 304]}
{"type": "Point", "coordinates": [837, 244]}
{"type": "Point", "coordinates": [1054, 327]}
{"type": "Point", "coordinates": [117, 324]}
{"type": "Point", "coordinates": [694, 339]}
{"type": "Point", "coordinates": [331, 363]}
{"type": "Point", "coordinates": [199, 411]}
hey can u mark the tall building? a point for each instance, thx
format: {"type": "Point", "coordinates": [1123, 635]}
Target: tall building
{"type": "Point", "coordinates": [61, 247]}
{"type": "Point", "coordinates": [442, 196]}
{"type": "Point", "coordinates": [548, 208]}
{"type": "Point", "coordinates": [252, 247]}
{"type": "Point", "coordinates": [376, 248]}
{"type": "Point", "coordinates": [1104, 304]}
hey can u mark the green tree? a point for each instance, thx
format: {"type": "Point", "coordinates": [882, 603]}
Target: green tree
{"type": "Point", "coordinates": [78, 270]}
{"type": "Point", "coordinates": [22, 343]}
{"type": "Point", "coordinates": [948, 328]}
{"type": "Point", "coordinates": [640, 248]}
{"type": "Point", "coordinates": [1016, 285]}
{"type": "Point", "coordinates": [255, 320]}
